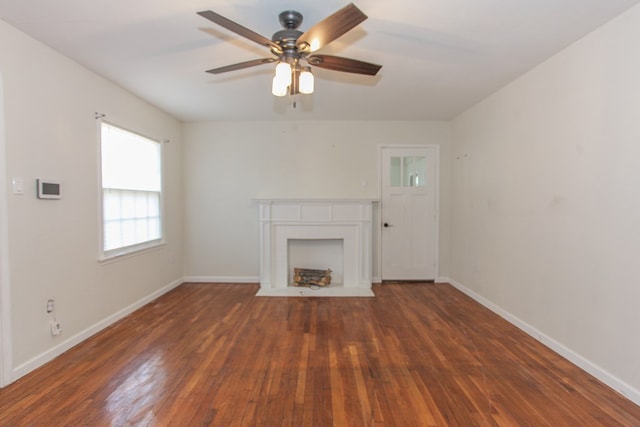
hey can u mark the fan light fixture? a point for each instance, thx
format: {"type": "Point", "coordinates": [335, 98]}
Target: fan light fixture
{"type": "Point", "coordinates": [287, 77]}
{"type": "Point", "coordinates": [296, 51]}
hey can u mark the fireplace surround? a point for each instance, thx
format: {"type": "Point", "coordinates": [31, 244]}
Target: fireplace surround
{"type": "Point", "coordinates": [346, 220]}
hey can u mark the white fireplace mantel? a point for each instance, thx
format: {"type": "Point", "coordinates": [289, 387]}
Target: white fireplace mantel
{"type": "Point", "coordinates": [348, 220]}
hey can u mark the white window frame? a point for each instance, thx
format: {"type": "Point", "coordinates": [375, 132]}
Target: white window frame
{"type": "Point", "coordinates": [124, 251]}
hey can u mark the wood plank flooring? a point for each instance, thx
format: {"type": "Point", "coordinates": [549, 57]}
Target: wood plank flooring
{"type": "Point", "coordinates": [214, 354]}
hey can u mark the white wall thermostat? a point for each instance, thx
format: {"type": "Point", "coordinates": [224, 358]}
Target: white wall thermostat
{"type": "Point", "coordinates": [48, 189]}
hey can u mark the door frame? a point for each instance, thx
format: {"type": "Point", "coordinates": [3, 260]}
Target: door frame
{"type": "Point", "coordinates": [5, 317]}
{"type": "Point", "coordinates": [378, 227]}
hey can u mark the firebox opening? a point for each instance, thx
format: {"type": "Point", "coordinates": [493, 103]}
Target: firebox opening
{"type": "Point", "coordinates": [320, 254]}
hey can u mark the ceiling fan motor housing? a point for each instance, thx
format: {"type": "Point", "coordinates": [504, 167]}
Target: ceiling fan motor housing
{"type": "Point", "coordinates": [286, 39]}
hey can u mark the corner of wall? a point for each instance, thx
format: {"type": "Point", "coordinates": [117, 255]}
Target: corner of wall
{"type": "Point", "coordinates": [586, 365]}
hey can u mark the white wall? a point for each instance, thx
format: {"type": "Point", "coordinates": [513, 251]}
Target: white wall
{"type": "Point", "coordinates": [228, 165]}
{"type": "Point", "coordinates": [51, 132]}
{"type": "Point", "coordinates": [546, 201]}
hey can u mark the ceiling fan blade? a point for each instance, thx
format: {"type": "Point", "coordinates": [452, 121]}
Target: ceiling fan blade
{"type": "Point", "coordinates": [239, 29]}
{"type": "Point", "coordinates": [347, 65]}
{"type": "Point", "coordinates": [241, 65]}
{"type": "Point", "coordinates": [330, 28]}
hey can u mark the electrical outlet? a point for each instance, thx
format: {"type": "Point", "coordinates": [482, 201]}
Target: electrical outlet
{"type": "Point", "coordinates": [56, 329]}
{"type": "Point", "coordinates": [50, 306]}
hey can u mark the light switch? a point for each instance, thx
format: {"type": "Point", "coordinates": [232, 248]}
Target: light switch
{"type": "Point", "coordinates": [18, 185]}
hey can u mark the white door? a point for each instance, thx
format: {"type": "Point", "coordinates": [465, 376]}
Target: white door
{"type": "Point", "coordinates": [409, 222]}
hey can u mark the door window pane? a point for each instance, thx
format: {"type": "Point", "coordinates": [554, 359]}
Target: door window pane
{"type": "Point", "coordinates": [407, 171]}
{"type": "Point", "coordinates": [396, 172]}
{"type": "Point", "coordinates": [420, 171]}
{"type": "Point", "coordinates": [414, 171]}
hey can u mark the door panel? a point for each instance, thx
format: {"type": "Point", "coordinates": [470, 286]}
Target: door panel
{"type": "Point", "coordinates": [409, 206]}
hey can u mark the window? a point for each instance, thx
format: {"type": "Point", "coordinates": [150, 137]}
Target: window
{"type": "Point", "coordinates": [408, 171]}
{"type": "Point", "coordinates": [131, 191]}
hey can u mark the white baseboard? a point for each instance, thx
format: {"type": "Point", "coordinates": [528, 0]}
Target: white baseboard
{"type": "Point", "coordinates": [54, 352]}
{"type": "Point", "coordinates": [615, 383]}
{"type": "Point", "coordinates": [222, 279]}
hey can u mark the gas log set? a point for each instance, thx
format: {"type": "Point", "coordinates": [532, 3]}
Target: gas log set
{"type": "Point", "coordinates": [309, 277]}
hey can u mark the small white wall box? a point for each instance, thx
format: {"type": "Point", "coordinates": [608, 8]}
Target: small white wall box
{"type": "Point", "coordinates": [49, 189]}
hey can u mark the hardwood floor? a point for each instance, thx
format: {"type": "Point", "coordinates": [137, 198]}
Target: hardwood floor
{"type": "Point", "coordinates": [213, 354]}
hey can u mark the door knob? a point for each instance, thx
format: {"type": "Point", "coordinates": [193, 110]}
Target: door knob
{"type": "Point", "coordinates": [386, 224]}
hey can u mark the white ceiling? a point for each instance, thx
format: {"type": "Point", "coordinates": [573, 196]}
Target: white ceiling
{"type": "Point", "coordinates": [439, 57]}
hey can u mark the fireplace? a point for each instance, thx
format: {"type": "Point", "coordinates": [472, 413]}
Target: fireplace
{"type": "Point", "coordinates": [317, 233]}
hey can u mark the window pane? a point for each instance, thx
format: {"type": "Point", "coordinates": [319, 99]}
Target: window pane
{"type": "Point", "coordinates": [128, 204]}
{"type": "Point", "coordinates": [111, 205]}
{"type": "Point", "coordinates": [129, 161]}
{"type": "Point", "coordinates": [414, 171]}
{"type": "Point", "coordinates": [131, 182]}
{"type": "Point", "coordinates": [142, 208]}
{"type": "Point", "coordinates": [142, 230]}
{"type": "Point", "coordinates": [420, 171]}
{"type": "Point", "coordinates": [396, 172]}
{"type": "Point", "coordinates": [128, 232]}
{"type": "Point", "coordinates": [112, 235]}
{"type": "Point", "coordinates": [153, 204]}
{"type": "Point", "coordinates": [407, 171]}
{"type": "Point", "coordinates": [154, 229]}
{"type": "Point", "coordinates": [134, 217]}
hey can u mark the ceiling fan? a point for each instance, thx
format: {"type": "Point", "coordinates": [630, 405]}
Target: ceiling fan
{"type": "Point", "coordinates": [293, 48]}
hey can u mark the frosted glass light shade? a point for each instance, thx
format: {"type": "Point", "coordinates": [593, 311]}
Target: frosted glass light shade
{"type": "Point", "coordinates": [306, 81]}
{"type": "Point", "coordinates": [283, 73]}
{"type": "Point", "coordinates": [279, 88]}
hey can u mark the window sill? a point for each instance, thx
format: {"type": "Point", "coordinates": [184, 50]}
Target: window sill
{"type": "Point", "coordinates": [130, 251]}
